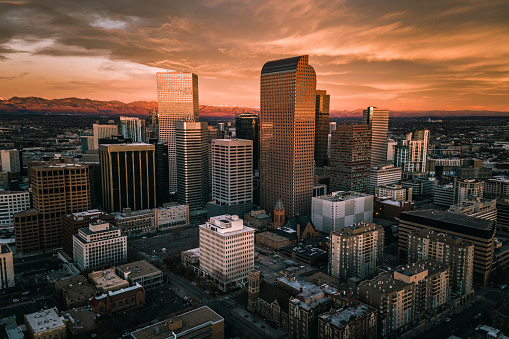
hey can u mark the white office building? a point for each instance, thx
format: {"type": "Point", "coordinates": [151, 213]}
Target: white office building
{"type": "Point", "coordinates": [383, 175]}
{"type": "Point", "coordinates": [171, 215]}
{"type": "Point", "coordinates": [226, 250]}
{"type": "Point", "coordinates": [12, 202]}
{"type": "Point", "coordinates": [99, 244]}
{"type": "Point", "coordinates": [10, 160]}
{"type": "Point", "coordinates": [341, 209]}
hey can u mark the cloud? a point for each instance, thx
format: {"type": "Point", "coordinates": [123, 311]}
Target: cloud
{"type": "Point", "coordinates": [396, 52]}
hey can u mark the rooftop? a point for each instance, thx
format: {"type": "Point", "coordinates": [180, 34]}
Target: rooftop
{"type": "Point", "coordinates": [138, 269]}
{"type": "Point", "coordinates": [342, 196]}
{"type": "Point", "coordinates": [75, 286]}
{"type": "Point", "coordinates": [306, 251]}
{"type": "Point", "coordinates": [343, 316]}
{"type": "Point", "coordinates": [45, 320]}
{"type": "Point", "coordinates": [450, 221]}
{"type": "Point", "coordinates": [106, 279]}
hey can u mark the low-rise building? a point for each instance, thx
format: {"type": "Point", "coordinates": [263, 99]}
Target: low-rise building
{"type": "Point", "coordinates": [171, 215]}
{"type": "Point", "coordinates": [497, 187]}
{"type": "Point", "coordinates": [99, 244]}
{"type": "Point", "coordinates": [107, 280]}
{"type": "Point", "coordinates": [389, 209]}
{"type": "Point", "coordinates": [135, 222]}
{"type": "Point", "coordinates": [199, 323]}
{"type": "Point", "coordinates": [140, 272]}
{"type": "Point", "coordinates": [119, 300]}
{"type": "Point", "coordinates": [190, 257]}
{"type": "Point", "coordinates": [46, 324]}
{"type": "Point", "coordinates": [306, 254]}
{"type": "Point", "coordinates": [394, 192]}
{"type": "Point", "coordinates": [477, 208]}
{"type": "Point", "coordinates": [6, 267]}
{"type": "Point", "coordinates": [349, 322]}
{"type": "Point", "coordinates": [444, 195]}
{"type": "Point", "coordinates": [80, 322]}
{"type": "Point", "coordinates": [258, 219]}
{"type": "Point", "coordinates": [74, 292]}
{"type": "Point", "coordinates": [271, 240]}
{"type": "Point", "coordinates": [341, 209]}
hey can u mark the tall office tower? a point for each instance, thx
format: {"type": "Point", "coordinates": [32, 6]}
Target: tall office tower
{"type": "Point", "coordinates": [177, 96]}
{"type": "Point", "coordinates": [10, 160]}
{"type": "Point", "coordinates": [102, 132]}
{"type": "Point", "coordinates": [287, 126]}
{"type": "Point", "coordinates": [332, 126]}
{"type": "Point", "coordinates": [99, 244]}
{"type": "Point", "coordinates": [477, 231]}
{"type": "Point", "coordinates": [128, 176]}
{"type": "Point", "coordinates": [411, 154]}
{"type": "Point", "coordinates": [133, 128]}
{"type": "Point", "coordinates": [191, 144]}
{"type": "Point", "coordinates": [72, 222]}
{"type": "Point", "coordinates": [378, 121]}
{"type": "Point", "coordinates": [6, 267]}
{"type": "Point", "coordinates": [56, 190]}
{"type": "Point", "coordinates": [232, 177]}
{"type": "Point", "coordinates": [453, 251]}
{"type": "Point", "coordinates": [321, 127]}
{"type": "Point", "coordinates": [162, 174]}
{"type": "Point", "coordinates": [226, 250]}
{"type": "Point", "coordinates": [247, 126]}
{"type": "Point", "coordinates": [383, 175]}
{"type": "Point", "coordinates": [350, 158]}
{"type": "Point", "coordinates": [356, 251]}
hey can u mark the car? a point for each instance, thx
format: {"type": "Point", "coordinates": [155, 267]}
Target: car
{"type": "Point", "coordinates": [15, 300]}
{"type": "Point", "coordinates": [25, 293]}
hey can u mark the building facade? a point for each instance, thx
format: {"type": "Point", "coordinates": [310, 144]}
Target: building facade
{"type": "Point", "coordinates": [128, 176]}
{"type": "Point", "coordinates": [321, 128]}
{"type": "Point", "coordinates": [12, 202]}
{"type": "Point", "coordinates": [394, 192]}
{"type": "Point", "coordinates": [102, 132]}
{"type": "Point", "coordinates": [378, 122]}
{"type": "Point", "coordinates": [496, 188]}
{"type": "Point", "coordinates": [350, 158]}
{"type": "Point", "coordinates": [340, 209]}
{"type": "Point", "coordinates": [411, 153]}
{"type": "Point", "coordinates": [99, 244]}
{"type": "Point", "coordinates": [477, 208]}
{"type": "Point", "coordinates": [191, 143]}
{"type": "Point", "coordinates": [247, 126]}
{"type": "Point", "coordinates": [140, 272]}
{"type": "Point", "coordinates": [467, 189]}
{"type": "Point", "coordinates": [232, 176]}
{"type": "Point", "coordinates": [177, 97]}
{"type": "Point", "coordinates": [383, 175]}
{"type": "Point", "coordinates": [135, 222]}
{"type": "Point", "coordinates": [133, 128]}
{"type": "Point", "coordinates": [171, 215]}
{"type": "Point", "coordinates": [356, 251]}
{"type": "Point", "coordinates": [349, 322]}
{"type": "Point", "coordinates": [11, 161]}
{"type": "Point", "coordinates": [226, 250]}
{"type": "Point", "coordinates": [287, 125]}
{"type": "Point", "coordinates": [6, 267]}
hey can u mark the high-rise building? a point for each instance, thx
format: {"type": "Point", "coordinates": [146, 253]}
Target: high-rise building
{"type": "Point", "coordinates": [247, 126]}
{"type": "Point", "coordinates": [467, 189]}
{"type": "Point", "coordinates": [10, 160]}
{"type": "Point", "coordinates": [477, 231]}
{"type": "Point", "coordinates": [497, 187]}
{"type": "Point", "coordinates": [404, 296]}
{"type": "Point", "coordinates": [453, 251]}
{"type": "Point", "coordinates": [12, 202]}
{"type": "Point", "coordinates": [99, 244]}
{"type": "Point", "coordinates": [378, 122]}
{"type": "Point", "coordinates": [128, 176]}
{"type": "Point", "coordinates": [72, 222]}
{"type": "Point", "coordinates": [56, 190]}
{"type": "Point", "coordinates": [356, 251]}
{"type": "Point", "coordinates": [383, 175]}
{"type": "Point", "coordinates": [133, 128]}
{"type": "Point", "coordinates": [350, 158]}
{"type": "Point", "coordinates": [226, 250]}
{"type": "Point", "coordinates": [332, 126]}
{"type": "Point", "coordinates": [411, 153]}
{"type": "Point", "coordinates": [503, 215]}
{"type": "Point", "coordinates": [321, 127]}
{"type": "Point", "coordinates": [177, 96]}
{"type": "Point", "coordinates": [232, 177]}
{"type": "Point", "coordinates": [191, 146]}
{"type": "Point", "coordinates": [287, 125]}
{"type": "Point", "coordinates": [162, 174]}
{"type": "Point", "coordinates": [341, 209]}
{"type": "Point", "coordinates": [6, 267]}
{"type": "Point", "coordinates": [102, 132]}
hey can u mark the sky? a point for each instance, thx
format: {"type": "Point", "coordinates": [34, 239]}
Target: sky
{"type": "Point", "coordinates": [395, 54]}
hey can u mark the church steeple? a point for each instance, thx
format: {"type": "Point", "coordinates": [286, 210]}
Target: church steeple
{"type": "Point", "coordinates": [279, 214]}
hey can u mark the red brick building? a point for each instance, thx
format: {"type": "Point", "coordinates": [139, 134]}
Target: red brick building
{"type": "Point", "coordinates": [118, 300]}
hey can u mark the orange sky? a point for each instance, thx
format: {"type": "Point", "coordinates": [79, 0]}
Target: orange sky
{"type": "Point", "coordinates": [396, 54]}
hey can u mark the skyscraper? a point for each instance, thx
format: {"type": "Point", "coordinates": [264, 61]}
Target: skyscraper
{"type": "Point", "coordinates": [232, 177]}
{"type": "Point", "coordinates": [191, 140]}
{"type": "Point", "coordinates": [378, 121]}
{"type": "Point", "coordinates": [133, 128]}
{"type": "Point", "coordinates": [411, 153]}
{"type": "Point", "coordinates": [177, 95]}
{"type": "Point", "coordinates": [287, 126]}
{"type": "Point", "coordinates": [247, 126]}
{"type": "Point", "coordinates": [102, 132]}
{"type": "Point", "coordinates": [321, 127]}
{"type": "Point", "coordinates": [128, 176]}
{"type": "Point", "coordinates": [350, 158]}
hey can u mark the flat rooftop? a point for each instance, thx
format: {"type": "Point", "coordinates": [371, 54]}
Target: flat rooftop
{"type": "Point", "coordinates": [341, 317]}
{"type": "Point", "coordinates": [273, 236]}
{"type": "Point", "coordinates": [449, 221]}
{"type": "Point", "coordinates": [45, 320]}
{"type": "Point", "coordinates": [138, 269]}
{"type": "Point", "coordinates": [189, 320]}
{"type": "Point", "coordinates": [342, 196]}
{"type": "Point", "coordinates": [106, 279]}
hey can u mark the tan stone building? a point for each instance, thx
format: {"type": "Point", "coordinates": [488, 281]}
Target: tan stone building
{"type": "Point", "coordinates": [356, 251]}
{"type": "Point", "coordinates": [107, 280]}
{"type": "Point", "coordinates": [271, 241]}
{"type": "Point", "coordinates": [226, 250]}
{"type": "Point", "coordinates": [140, 272]}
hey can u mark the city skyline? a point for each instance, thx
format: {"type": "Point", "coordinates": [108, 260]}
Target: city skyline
{"type": "Point", "coordinates": [419, 56]}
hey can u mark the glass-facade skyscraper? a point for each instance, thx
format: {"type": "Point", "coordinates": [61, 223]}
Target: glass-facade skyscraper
{"type": "Point", "coordinates": [177, 96]}
{"type": "Point", "coordinates": [287, 134]}
{"type": "Point", "coordinates": [321, 128]}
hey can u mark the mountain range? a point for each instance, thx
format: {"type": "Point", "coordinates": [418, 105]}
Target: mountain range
{"type": "Point", "coordinates": [36, 105]}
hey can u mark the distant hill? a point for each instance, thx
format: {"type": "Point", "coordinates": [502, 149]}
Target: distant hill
{"type": "Point", "coordinates": [35, 105]}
